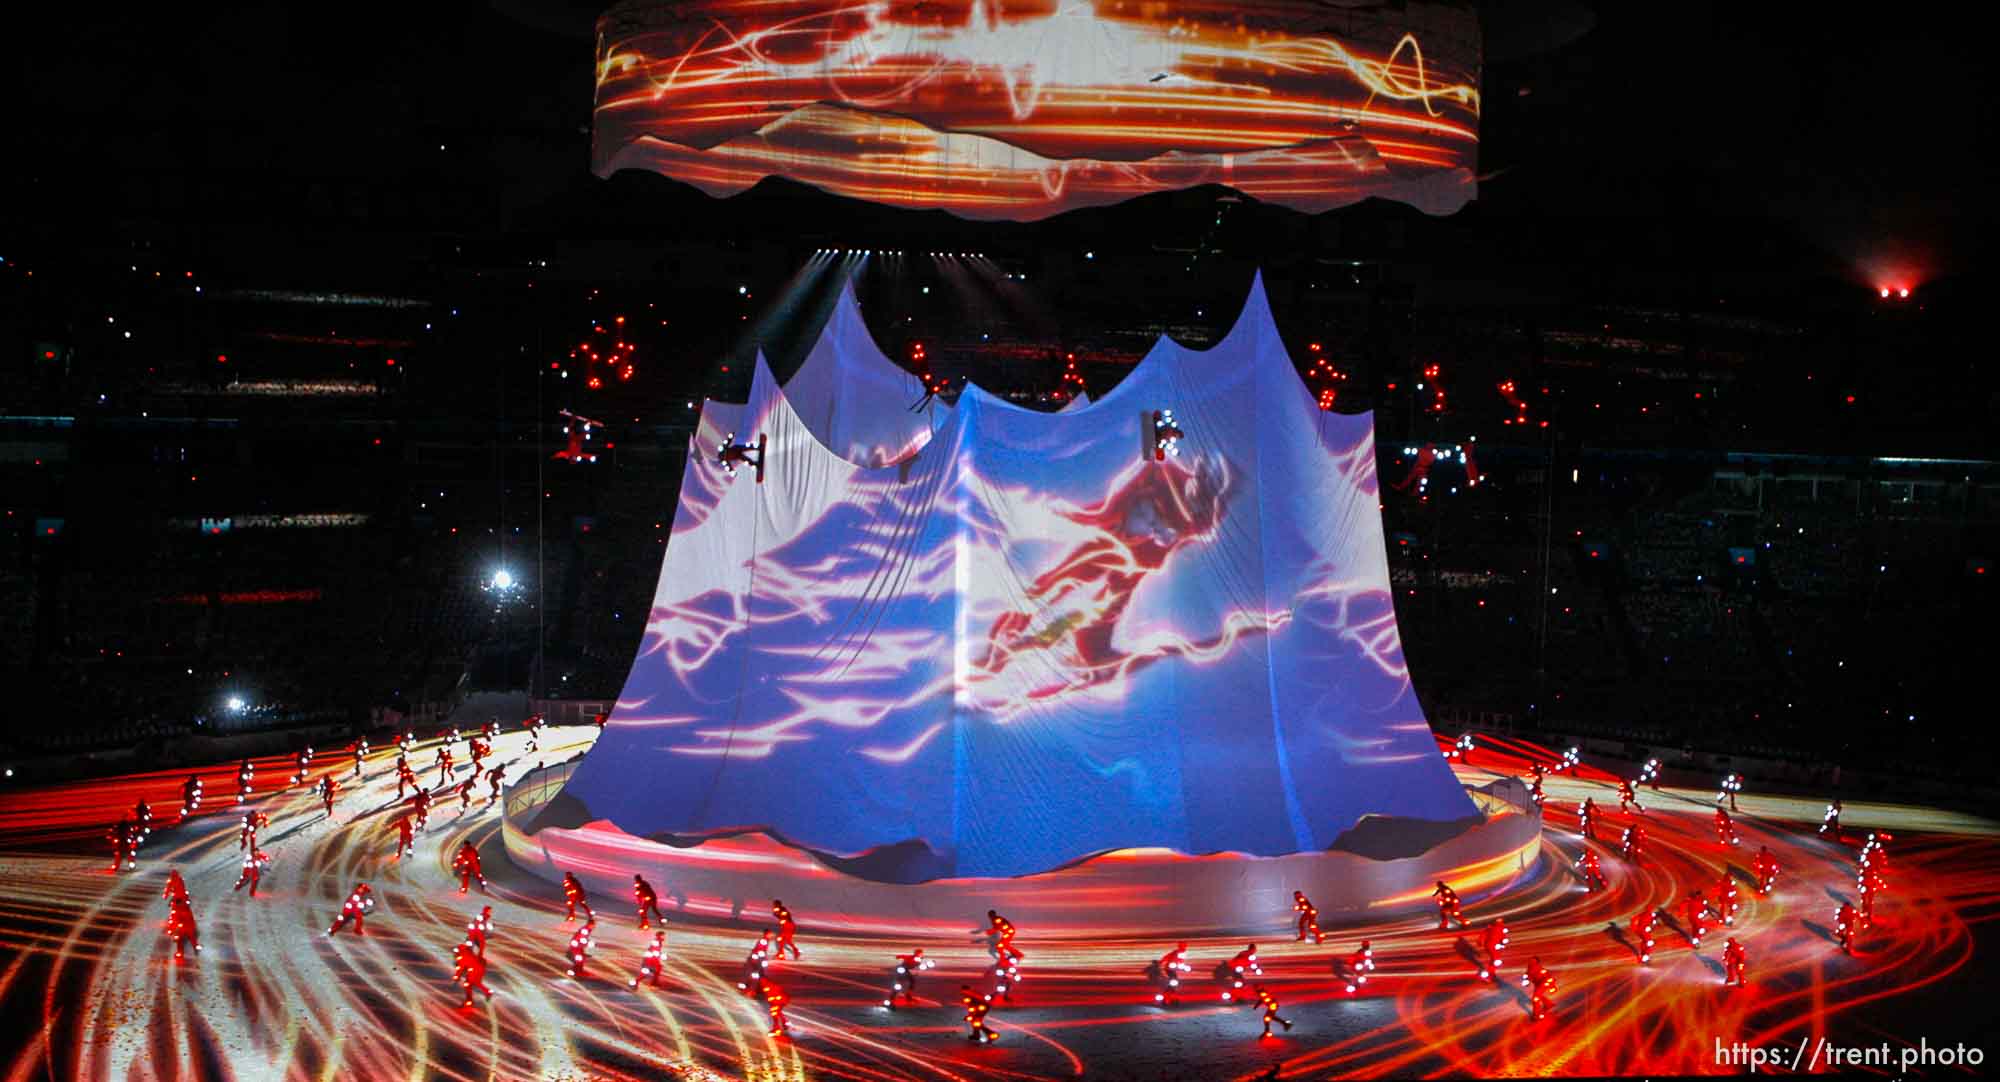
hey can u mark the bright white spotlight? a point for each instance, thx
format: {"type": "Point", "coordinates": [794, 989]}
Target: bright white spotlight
{"type": "Point", "coordinates": [503, 580]}
{"type": "Point", "coordinates": [236, 704]}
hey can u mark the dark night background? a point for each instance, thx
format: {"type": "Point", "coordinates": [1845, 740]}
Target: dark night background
{"type": "Point", "coordinates": [1685, 215]}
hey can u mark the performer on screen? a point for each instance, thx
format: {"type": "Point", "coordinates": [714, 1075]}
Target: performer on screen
{"type": "Point", "coordinates": [573, 897]}
{"type": "Point", "coordinates": [466, 863]}
{"type": "Point", "coordinates": [789, 928]}
{"type": "Point", "coordinates": [359, 901]}
{"type": "Point", "coordinates": [654, 964]}
{"type": "Point", "coordinates": [903, 981]}
{"type": "Point", "coordinates": [1308, 917]}
{"type": "Point", "coordinates": [406, 742]}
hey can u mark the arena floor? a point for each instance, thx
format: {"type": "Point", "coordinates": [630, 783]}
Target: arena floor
{"type": "Point", "coordinates": [89, 988]}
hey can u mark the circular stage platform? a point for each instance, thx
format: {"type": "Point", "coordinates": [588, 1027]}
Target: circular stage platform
{"type": "Point", "coordinates": [1380, 867]}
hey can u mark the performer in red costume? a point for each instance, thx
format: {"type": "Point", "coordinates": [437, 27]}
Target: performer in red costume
{"type": "Point", "coordinates": [1541, 986]}
{"type": "Point", "coordinates": [466, 863]}
{"type": "Point", "coordinates": [469, 969]}
{"type": "Point", "coordinates": [246, 835]}
{"type": "Point", "coordinates": [1535, 786]}
{"type": "Point", "coordinates": [124, 847]}
{"type": "Point", "coordinates": [579, 948]}
{"type": "Point", "coordinates": [1725, 829]}
{"type": "Point", "coordinates": [1359, 965]}
{"type": "Point", "coordinates": [1765, 866]}
{"type": "Point", "coordinates": [1846, 925]}
{"type": "Point", "coordinates": [573, 897]}
{"type": "Point", "coordinates": [789, 928]}
{"type": "Point", "coordinates": [190, 796]}
{"type": "Point", "coordinates": [975, 1015]}
{"type": "Point", "coordinates": [1242, 967]}
{"type": "Point", "coordinates": [1308, 917]}
{"type": "Point", "coordinates": [774, 998]}
{"type": "Point", "coordinates": [1492, 941]}
{"type": "Point", "coordinates": [478, 928]}
{"type": "Point", "coordinates": [753, 964]}
{"type": "Point", "coordinates": [647, 901]}
{"type": "Point", "coordinates": [1167, 975]}
{"type": "Point", "coordinates": [1642, 931]}
{"type": "Point", "coordinates": [1628, 798]}
{"type": "Point", "coordinates": [444, 765]}
{"type": "Point", "coordinates": [1000, 931]}
{"type": "Point", "coordinates": [1633, 843]}
{"type": "Point", "coordinates": [1874, 853]}
{"type": "Point", "coordinates": [1593, 876]}
{"type": "Point", "coordinates": [1734, 960]}
{"type": "Point", "coordinates": [303, 763]}
{"type": "Point", "coordinates": [253, 869]}
{"type": "Point", "coordinates": [465, 793]}
{"type": "Point", "coordinates": [177, 888]}
{"type": "Point", "coordinates": [1727, 901]}
{"type": "Point", "coordinates": [1869, 885]}
{"type": "Point", "coordinates": [1586, 819]}
{"type": "Point", "coordinates": [480, 750]}
{"type": "Point", "coordinates": [327, 788]}
{"type": "Point", "coordinates": [406, 839]}
{"type": "Point", "coordinates": [1269, 1005]}
{"type": "Point", "coordinates": [903, 984]}
{"type": "Point", "coordinates": [1449, 908]}
{"type": "Point", "coordinates": [1695, 912]}
{"type": "Point", "coordinates": [359, 901]}
{"type": "Point", "coordinates": [405, 777]}
{"type": "Point", "coordinates": [180, 925]}
{"type": "Point", "coordinates": [493, 783]}
{"type": "Point", "coordinates": [1073, 610]}
{"type": "Point", "coordinates": [654, 963]}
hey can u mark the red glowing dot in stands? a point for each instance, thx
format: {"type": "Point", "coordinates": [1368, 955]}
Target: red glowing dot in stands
{"type": "Point", "coordinates": [1850, 400]}
{"type": "Point", "coordinates": [1392, 386]}
{"type": "Point", "coordinates": [51, 531]}
{"type": "Point", "coordinates": [222, 358]}
{"type": "Point", "coordinates": [48, 355]}
{"type": "Point", "coordinates": [391, 362]}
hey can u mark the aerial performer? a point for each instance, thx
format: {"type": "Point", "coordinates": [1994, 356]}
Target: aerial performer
{"type": "Point", "coordinates": [1308, 917]}
{"type": "Point", "coordinates": [469, 969]}
{"type": "Point", "coordinates": [1167, 974]}
{"type": "Point", "coordinates": [253, 869]}
{"type": "Point", "coordinates": [1359, 965]}
{"type": "Point", "coordinates": [1242, 967]}
{"type": "Point", "coordinates": [579, 948]}
{"type": "Point", "coordinates": [1269, 1005]}
{"type": "Point", "coordinates": [1765, 867]}
{"type": "Point", "coordinates": [1492, 941]}
{"type": "Point", "coordinates": [654, 964]}
{"type": "Point", "coordinates": [1593, 876]}
{"type": "Point", "coordinates": [1541, 986]}
{"type": "Point", "coordinates": [1731, 785]}
{"type": "Point", "coordinates": [1725, 829]}
{"type": "Point", "coordinates": [359, 901]}
{"type": "Point", "coordinates": [1586, 819]}
{"type": "Point", "coordinates": [789, 928]}
{"type": "Point", "coordinates": [903, 983]}
{"type": "Point", "coordinates": [466, 863]}
{"type": "Point", "coordinates": [976, 1008]}
{"type": "Point", "coordinates": [1449, 908]}
{"type": "Point", "coordinates": [573, 897]}
{"type": "Point", "coordinates": [1628, 798]}
{"type": "Point", "coordinates": [1734, 960]}
{"type": "Point", "coordinates": [647, 901]}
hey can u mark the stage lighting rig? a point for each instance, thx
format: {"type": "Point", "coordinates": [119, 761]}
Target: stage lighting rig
{"type": "Point", "coordinates": [732, 454]}
{"type": "Point", "coordinates": [1167, 435]}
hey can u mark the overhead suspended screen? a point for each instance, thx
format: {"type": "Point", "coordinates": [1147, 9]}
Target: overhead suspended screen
{"type": "Point", "coordinates": [1021, 110]}
{"type": "Point", "coordinates": [1018, 639]}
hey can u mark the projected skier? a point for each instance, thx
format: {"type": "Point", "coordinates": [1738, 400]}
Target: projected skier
{"type": "Point", "coordinates": [1150, 513]}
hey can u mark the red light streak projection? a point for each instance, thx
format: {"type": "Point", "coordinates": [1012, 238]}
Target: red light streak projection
{"type": "Point", "coordinates": [91, 990]}
{"type": "Point", "coordinates": [1020, 110]}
